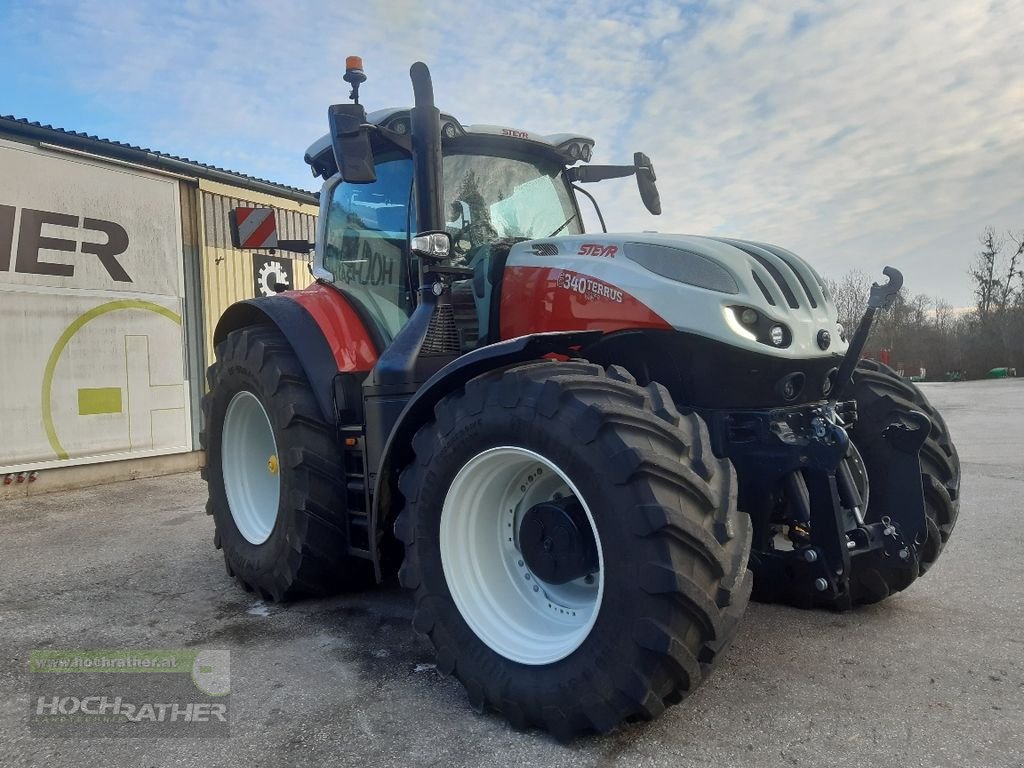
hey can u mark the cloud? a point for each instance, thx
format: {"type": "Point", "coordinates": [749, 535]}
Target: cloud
{"type": "Point", "coordinates": [857, 134]}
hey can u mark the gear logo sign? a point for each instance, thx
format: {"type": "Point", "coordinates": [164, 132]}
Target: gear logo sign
{"type": "Point", "coordinates": [270, 271]}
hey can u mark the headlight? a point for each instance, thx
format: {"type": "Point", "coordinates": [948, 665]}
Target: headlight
{"type": "Point", "coordinates": [433, 245]}
{"type": "Point", "coordinates": [751, 324]}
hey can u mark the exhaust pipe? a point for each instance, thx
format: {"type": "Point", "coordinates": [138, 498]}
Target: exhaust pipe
{"type": "Point", "coordinates": [425, 121]}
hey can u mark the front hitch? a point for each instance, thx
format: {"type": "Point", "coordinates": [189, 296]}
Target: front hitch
{"type": "Point", "coordinates": [803, 454]}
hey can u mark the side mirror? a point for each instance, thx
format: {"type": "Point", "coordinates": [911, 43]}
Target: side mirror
{"type": "Point", "coordinates": [351, 143]}
{"type": "Point", "coordinates": [645, 182]}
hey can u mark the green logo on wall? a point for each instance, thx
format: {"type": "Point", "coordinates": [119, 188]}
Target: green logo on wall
{"type": "Point", "coordinates": [94, 400]}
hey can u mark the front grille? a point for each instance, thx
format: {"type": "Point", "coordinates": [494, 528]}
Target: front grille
{"type": "Point", "coordinates": [777, 276]}
{"type": "Point", "coordinates": [763, 287]}
{"type": "Point", "coordinates": [796, 271]}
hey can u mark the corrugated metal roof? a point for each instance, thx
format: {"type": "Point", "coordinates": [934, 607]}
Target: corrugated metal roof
{"type": "Point", "coordinates": [119, 150]}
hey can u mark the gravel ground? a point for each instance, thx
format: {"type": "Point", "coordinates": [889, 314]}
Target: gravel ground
{"type": "Point", "coordinates": [932, 677]}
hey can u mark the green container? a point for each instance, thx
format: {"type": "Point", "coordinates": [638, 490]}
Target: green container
{"type": "Point", "coordinates": [998, 373]}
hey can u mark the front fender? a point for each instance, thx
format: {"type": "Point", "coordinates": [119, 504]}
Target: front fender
{"type": "Point", "coordinates": [420, 408]}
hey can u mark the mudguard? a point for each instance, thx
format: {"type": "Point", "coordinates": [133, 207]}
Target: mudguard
{"type": "Point", "coordinates": [322, 328]}
{"type": "Point", "coordinates": [420, 408]}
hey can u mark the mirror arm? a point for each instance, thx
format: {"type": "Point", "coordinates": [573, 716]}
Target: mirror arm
{"type": "Point", "coordinates": [588, 174]}
{"type": "Point", "coordinates": [400, 140]}
{"type": "Point", "coordinates": [295, 246]}
{"type": "Point", "coordinates": [597, 208]}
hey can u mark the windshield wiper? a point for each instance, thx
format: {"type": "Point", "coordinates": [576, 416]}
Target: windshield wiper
{"type": "Point", "coordinates": [566, 224]}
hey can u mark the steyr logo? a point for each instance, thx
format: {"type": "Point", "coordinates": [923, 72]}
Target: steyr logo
{"type": "Point", "coordinates": [31, 241]}
{"type": "Point", "coordinates": [596, 249]}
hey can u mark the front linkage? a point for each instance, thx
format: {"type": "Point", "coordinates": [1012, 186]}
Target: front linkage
{"type": "Point", "coordinates": [797, 468]}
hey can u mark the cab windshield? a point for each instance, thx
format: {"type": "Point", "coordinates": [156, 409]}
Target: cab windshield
{"type": "Point", "coordinates": [489, 198]}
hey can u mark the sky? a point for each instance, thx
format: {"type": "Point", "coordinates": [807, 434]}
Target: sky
{"type": "Point", "coordinates": [856, 134]}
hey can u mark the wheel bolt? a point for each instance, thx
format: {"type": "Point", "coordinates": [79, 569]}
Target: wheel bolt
{"type": "Point", "coordinates": [810, 555]}
{"type": "Point", "coordinates": [536, 588]}
{"type": "Point", "coordinates": [820, 584]}
{"type": "Point", "coordinates": [904, 554]}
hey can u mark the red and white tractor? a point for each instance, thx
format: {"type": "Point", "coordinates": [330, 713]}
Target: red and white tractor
{"type": "Point", "coordinates": [581, 450]}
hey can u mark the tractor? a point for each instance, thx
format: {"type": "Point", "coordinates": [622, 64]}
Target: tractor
{"type": "Point", "coordinates": [584, 452]}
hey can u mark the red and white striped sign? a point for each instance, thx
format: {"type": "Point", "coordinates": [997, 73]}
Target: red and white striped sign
{"type": "Point", "coordinates": [253, 228]}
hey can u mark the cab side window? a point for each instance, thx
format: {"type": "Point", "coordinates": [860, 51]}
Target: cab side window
{"type": "Point", "coordinates": [365, 252]}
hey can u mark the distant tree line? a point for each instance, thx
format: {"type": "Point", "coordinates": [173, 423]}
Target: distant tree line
{"type": "Point", "coordinates": [922, 331]}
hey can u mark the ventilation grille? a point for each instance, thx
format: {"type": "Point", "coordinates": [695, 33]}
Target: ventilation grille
{"type": "Point", "coordinates": [787, 277]}
{"type": "Point", "coordinates": [442, 334]}
{"type": "Point", "coordinates": [763, 287]}
{"type": "Point", "coordinates": [796, 271]}
{"type": "Point", "coordinates": [778, 277]}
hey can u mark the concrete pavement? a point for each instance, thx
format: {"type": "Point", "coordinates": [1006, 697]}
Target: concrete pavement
{"type": "Point", "coordinates": [931, 677]}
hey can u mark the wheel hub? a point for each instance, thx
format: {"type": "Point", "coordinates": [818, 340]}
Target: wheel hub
{"type": "Point", "coordinates": [556, 541]}
{"type": "Point", "coordinates": [251, 467]}
{"type": "Point", "coordinates": [506, 601]}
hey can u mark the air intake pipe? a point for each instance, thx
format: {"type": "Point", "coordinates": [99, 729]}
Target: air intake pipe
{"type": "Point", "coordinates": [425, 121]}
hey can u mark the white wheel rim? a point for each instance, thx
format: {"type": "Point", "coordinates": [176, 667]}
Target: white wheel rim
{"type": "Point", "coordinates": [249, 462]}
{"type": "Point", "coordinates": [512, 611]}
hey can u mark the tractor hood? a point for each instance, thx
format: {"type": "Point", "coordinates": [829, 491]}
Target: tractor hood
{"type": "Point", "coordinates": [746, 294]}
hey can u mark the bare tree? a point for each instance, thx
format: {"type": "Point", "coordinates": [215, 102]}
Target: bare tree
{"type": "Point", "coordinates": [850, 294]}
{"type": "Point", "coordinates": [919, 310]}
{"type": "Point", "coordinates": [987, 287]}
{"type": "Point", "coordinates": [1011, 294]}
{"type": "Point", "coordinates": [943, 314]}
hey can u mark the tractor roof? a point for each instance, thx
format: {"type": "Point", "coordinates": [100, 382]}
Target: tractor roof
{"type": "Point", "coordinates": [570, 146]}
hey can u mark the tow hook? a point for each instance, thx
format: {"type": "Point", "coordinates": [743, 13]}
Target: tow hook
{"type": "Point", "coordinates": [881, 297]}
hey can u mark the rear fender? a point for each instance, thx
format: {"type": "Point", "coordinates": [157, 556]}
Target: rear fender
{"type": "Point", "coordinates": [321, 327]}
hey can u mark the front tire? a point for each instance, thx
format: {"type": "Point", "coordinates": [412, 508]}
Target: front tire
{"type": "Point", "coordinates": [274, 473]}
{"type": "Point", "coordinates": [666, 587]}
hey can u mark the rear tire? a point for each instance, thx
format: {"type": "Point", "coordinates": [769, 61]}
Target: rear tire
{"type": "Point", "coordinates": [276, 496]}
{"type": "Point", "coordinates": [884, 397]}
{"type": "Point", "coordinates": [672, 582]}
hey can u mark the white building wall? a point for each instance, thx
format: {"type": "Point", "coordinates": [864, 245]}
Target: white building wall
{"type": "Point", "coordinates": [91, 338]}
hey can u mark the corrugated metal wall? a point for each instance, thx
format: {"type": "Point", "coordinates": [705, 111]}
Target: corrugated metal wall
{"type": "Point", "coordinates": [228, 272]}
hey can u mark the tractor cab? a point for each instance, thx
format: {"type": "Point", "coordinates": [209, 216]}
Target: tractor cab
{"type": "Point", "coordinates": [499, 187]}
{"type": "Point", "coordinates": [492, 187]}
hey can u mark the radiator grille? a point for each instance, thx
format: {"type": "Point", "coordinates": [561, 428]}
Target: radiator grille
{"type": "Point", "coordinates": [442, 334]}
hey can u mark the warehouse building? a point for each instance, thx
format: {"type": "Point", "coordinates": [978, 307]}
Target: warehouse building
{"type": "Point", "coordinates": [115, 263]}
